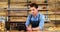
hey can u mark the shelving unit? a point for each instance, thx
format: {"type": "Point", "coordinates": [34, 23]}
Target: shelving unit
{"type": "Point", "coordinates": [17, 13]}
{"type": "Point", "coordinates": [18, 10]}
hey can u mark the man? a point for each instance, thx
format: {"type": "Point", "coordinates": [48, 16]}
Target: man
{"type": "Point", "coordinates": [35, 19]}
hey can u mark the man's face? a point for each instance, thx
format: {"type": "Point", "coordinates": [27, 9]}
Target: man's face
{"type": "Point", "coordinates": [33, 10]}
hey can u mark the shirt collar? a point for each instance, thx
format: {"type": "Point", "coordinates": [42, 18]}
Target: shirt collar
{"type": "Point", "coordinates": [37, 15]}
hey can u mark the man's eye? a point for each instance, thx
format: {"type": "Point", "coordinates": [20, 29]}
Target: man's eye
{"type": "Point", "coordinates": [33, 9]}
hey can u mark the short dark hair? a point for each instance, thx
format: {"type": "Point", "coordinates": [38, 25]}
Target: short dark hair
{"type": "Point", "coordinates": [34, 5]}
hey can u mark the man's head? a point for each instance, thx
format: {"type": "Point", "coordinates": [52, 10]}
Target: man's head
{"type": "Point", "coordinates": [34, 8]}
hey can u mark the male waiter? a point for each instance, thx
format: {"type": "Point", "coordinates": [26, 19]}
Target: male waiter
{"type": "Point", "coordinates": [36, 19]}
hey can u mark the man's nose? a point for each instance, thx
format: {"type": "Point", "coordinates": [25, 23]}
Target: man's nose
{"type": "Point", "coordinates": [32, 11]}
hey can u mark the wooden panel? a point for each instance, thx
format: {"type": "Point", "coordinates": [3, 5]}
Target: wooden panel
{"type": "Point", "coordinates": [42, 12]}
{"type": "Point", "coordinates": [16, 6]}
{"type": "Point", "coordinates": [18, 0]}
{"type": "Point", "coordinates": [50, 12]}
{"type": "Point", "coordinates": [18, 19]}
{"type": "Point", "coordinates": [42, 7]}
{"type": "Point", "coordinates": [56, 12]}
{"type": "Point", "coordinates": [3, 0]}
{"type": "Point", "coordinates": [54, 17]}
{"type": "Point", "coordinates": [15, 31]}
{"type": "Point", "coordinates": [54, 4]}
{"type": "Point", "coordinates": [57, 19]}
{"type": "Point", "coordinates": [50, 7]}
{"type": "Point", "coordinates": [51, 1]}
{"type": "Point", "coordinates": [18, 13]}
{"type": "Point", "coordinates": [57, 16]}
{"type": "Point", "coordinates": [37, 1]}
{"type": "Point", "coordinates": [51, 17]}
{"type": "Point", "coordinates": [47, 12]}
{"type": "Point", "coordinates": [3, 4]}
{"type": "Point", "coordinates": [3, 13]}
{"type": "Point", "coordinates": [49, 25]}
{"type": "Point", "coordinates": [18, 3]}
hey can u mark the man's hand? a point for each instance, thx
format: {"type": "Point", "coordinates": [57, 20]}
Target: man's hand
{"type": "Point", "coordinates": [37, 28]}
{"type": "Point", "coordinates": [29, 28]}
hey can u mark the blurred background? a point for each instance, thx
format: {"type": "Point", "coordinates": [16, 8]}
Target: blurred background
{"type": "Point", "coordinates": [13, 14]}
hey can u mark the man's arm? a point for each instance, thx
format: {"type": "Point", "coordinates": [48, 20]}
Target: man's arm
{"type": "Point", "coordinates": [41, 24]}
{"type": "Point", "coordinates": [27, 21]}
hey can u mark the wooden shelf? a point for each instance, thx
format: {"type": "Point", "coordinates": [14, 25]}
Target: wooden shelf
{"type": "Point", "coordinates": [25, 4]}
{"type": "Point", "coordinates": [23, 9]}
{"type": "Point", "coordinates": [3, 12]}
{"type": "Point", "coordinates": [17, 21]}
{"type": "Point", "coordinates": [18, 9]}
{"type": "Point", "coordinates": [14, 6]}
{"type": "Point", "coordinates": [3, 0]}
{"type": "Point", "coordinates": [54, 19]}
{"type": "Point", "coordinates": [18, 0]}
{"type": "Point", "coordinates": [18, 4]}
{"type": "Point", "coordinates": [43, 4]}
{"type": "Point", "coordinates": [18, 13]}
{"type": "Point", "coordinates": [15, 31]}
{"type": "Point", "coordinates": [57, 12]}
{"type": "Point", "coordinates": [49, 13]}
{"type": "Point", "coordinates": [49, 25]}
{"type": "Point", "coordinates": [29, 13]}
{"type": "Point", "coordinates": [16, 16]}
{"type": "Point", "coordinates": [52, 1]}
{"type": "Point", "coordinates": [3, 5]}
{"type": "Point", "coordinates": [22, 19]}
{"type": "Point", "coordinates": [37, 1]}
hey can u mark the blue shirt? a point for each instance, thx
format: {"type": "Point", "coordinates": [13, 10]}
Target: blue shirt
{"type": "Point", "coordinates": [41, 24]}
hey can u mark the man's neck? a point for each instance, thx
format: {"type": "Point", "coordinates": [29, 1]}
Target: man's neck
{"type": "Point", "coordinates": [35, 14]}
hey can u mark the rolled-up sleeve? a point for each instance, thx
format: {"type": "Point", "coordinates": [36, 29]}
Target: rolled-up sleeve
{"type": "Point", "coordinates": [41, 24]}
{"type": "Point", "coordinates": [27, 21]}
